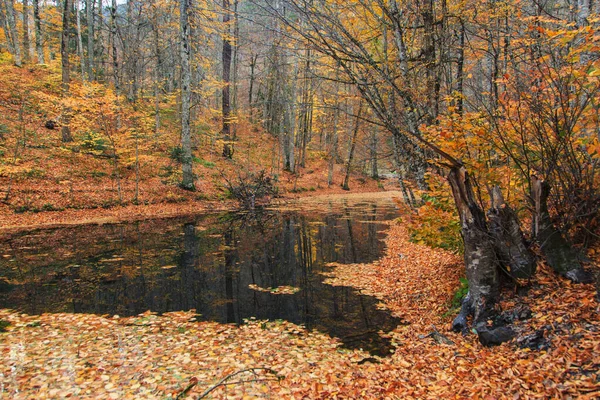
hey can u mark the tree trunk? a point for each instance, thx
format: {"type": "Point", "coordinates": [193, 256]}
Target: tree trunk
{"type": "Point", "coordinates": [460, 70]}
{"type": "Point", "coordinates": [157, 68]}
{"type": "Point", "coordinates": [89, 12]}
{"type": "Point", "coordinates": [510, 244]}
{"type": "Point", "coordinates": [14, 36]}
{"type": "Point", "coordinates": [559, 253]}
{"type": "Point", "coordinates": [79, 40]}
{"type": "Point", "coordinates": [186, 96]}
{"type": "Point", "coordinates": [332, 143]}
{"type": "Point", "coordinates": [352, 147]}
{"type": "Point", "coordinates": [26, 42]}
{"type": "Point", "coordinates": [113, 42]}
{"type": "Point", "coordinates": [66, 71]}
{"type": "Point", "coordinates": [236, 62]}
{"type": "Point", "coordinates": [226, 106]}
{"type": "Point", "coordinates": [39, 43]}
{"type": "Point", "coordinates": [373, 153]}
{"type": "Point", "coordinates": [480, 257]}
{"type": "Point", "coordinates": [253, 59]}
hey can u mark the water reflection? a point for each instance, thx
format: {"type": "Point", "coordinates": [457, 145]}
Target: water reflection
{"type": "Point", "coordinates": [205, 264]}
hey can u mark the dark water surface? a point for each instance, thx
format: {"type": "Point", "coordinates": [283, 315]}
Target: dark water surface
{"type": "Point", "coordinates": [206, 263]}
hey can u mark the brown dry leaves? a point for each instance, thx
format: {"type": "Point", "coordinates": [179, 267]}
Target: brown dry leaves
{"type": "Point", "coordinates": [87, 356]}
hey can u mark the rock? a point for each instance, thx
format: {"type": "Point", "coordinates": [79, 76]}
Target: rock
{"type": "Point", "coordinates": [495, 337]}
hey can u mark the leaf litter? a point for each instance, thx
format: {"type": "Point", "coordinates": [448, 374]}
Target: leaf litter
{"type": "Point", "coordinates": [156, 357]}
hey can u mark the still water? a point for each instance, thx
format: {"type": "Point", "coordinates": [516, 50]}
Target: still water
{"type": "Point", "coordinates": [209, 263]}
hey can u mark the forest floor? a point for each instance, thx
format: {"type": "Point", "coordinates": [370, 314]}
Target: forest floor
{"type": "Point", "coordinates": [53, 209]}
{"type": "Point", "coordinates": [172, 356]}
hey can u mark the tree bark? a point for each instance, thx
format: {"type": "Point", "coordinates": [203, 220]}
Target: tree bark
{"type": "Point", "coordinates": [559, 253]}
{"type": "Point", "coordinates": [226, 101]}
{"type": "Point", "coordinates": [66, 71]}
{"type": "Point", "coordinates": [510, 244]}
{"type": "Point", "coordinates": [352, 147]}
{"type": "Point", "coordinates": [480, 258]}
{"type": "Point", "coordinates": [26, 42]}
{"type": "Point", "coordinates": [89, 12]}
{"type": "Point", "coordinates": [186, 96]}
{"type": "Point", "coordinates": [113, 42]}
{"type": "Point", "coordinates": [12, 30]}
{"type": "Point", "coordinates": [79, 40]}
{"type": "Point", "coordinates": [39, 43]}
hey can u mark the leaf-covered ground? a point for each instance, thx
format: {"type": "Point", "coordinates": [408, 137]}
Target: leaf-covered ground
{"type": "Point", "coordinates": [88, 356]}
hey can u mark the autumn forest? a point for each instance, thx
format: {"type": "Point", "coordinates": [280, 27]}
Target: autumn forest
{"type": "Point", "coordinates": [304, 199]}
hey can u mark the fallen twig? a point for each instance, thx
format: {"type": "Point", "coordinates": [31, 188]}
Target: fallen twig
{"type": "Point", "coordinates": [222, 382]}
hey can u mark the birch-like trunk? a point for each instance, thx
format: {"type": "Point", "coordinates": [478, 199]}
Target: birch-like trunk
{"type": "Point", "coordinates": [186, 96]}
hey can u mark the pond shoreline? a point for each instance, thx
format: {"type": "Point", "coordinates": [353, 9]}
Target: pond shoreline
{"type": "Point", "coordinates": [13, 222]}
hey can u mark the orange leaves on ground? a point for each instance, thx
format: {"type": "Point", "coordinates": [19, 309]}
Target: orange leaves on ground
{"type": "Point", "coordinates": [150, 356]}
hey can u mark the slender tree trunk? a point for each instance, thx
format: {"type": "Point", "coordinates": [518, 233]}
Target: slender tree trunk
{"type": "Point", "coordinates": [89, 12]}
{"type": "Point", "coordinates": [236, 56]}
{"type": "Point", "coordinates": [226, 59]}
{"type": "Point", "coordinates": [101, 49]}
{"type": "Point", "coordinates": [66, 70]}
{"type": "Point", "coordinates": [26, 41]}
{"type": "Point", "coordinates": [352, 147]}
{"type": "Point", "coordinates": [39, 40]}
{"type": "Point", "coordinates": [80, 40]}
{"type": "Point", "coordinates": [113, 41]}
{"type": "Point", "coordinates": [5, 27]}
{"type": "Point", "coordinates": [157, 68]}
{"type": "Point", "coordinates": [333, 143]}
{"type": "Point", "coordinates": [460, 70]}
{"type": "Point", "coordinates": [373, 151]}
{"type": "Point", "coordinates": [253, 59]}
{"type": "Point", "coordinates": [14, 36]}
{"type": "Point", "coordinates": [186, 96]}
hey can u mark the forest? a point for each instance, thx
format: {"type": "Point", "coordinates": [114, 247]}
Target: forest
{"type": "Point", "coordinates": [299, 199]}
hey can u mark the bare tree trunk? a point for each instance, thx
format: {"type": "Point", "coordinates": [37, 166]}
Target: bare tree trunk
{"type": "Point", "coordinates": [373, 153]}
{"type": "Point", "coordinates": [157, 68]}
{"type": "Point", "coordinates": [559, 253]}
{"type": "Point", "coordinates": [4, 26]}
{"type": "Point", "coordinates": [333, 143]}
{"type": "Point", "coordinates": [460, 70]}
{"type": "Point", "coordinates": [253, 59]}
{"type": "Point", "coordinates": [26, 42]}
{"type": "Point", "coordinates": [113, 41]}
{"type": "Point", "coordinates": [236, 56]}
{"type": "Point", "coordinates": [12, 30]}
{"type": "Point", "coordinates": [39, 42]}
{"type": "Point", "coordinates": [226, 59]}
{"type": "Point", "coordinates": [79, 40]}
{"type": "Point", "coordinates": [186, 96]}
{"type": "Point", "coordinates": [89, 12]}
{"type": "Point", "coordinates": [352, 147]}
{"type": "Point", "coordinates": [66, 70]}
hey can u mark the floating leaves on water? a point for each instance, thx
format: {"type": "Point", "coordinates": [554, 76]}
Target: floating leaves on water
{"type": "Point", "coordinates": [277, 290]}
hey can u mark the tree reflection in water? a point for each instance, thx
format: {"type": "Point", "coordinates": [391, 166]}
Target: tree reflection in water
{"type": "Point", "coordinates": [205, 264]}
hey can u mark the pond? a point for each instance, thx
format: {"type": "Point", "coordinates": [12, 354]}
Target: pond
{"type": "Point", "coordinates": [228, 267]}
